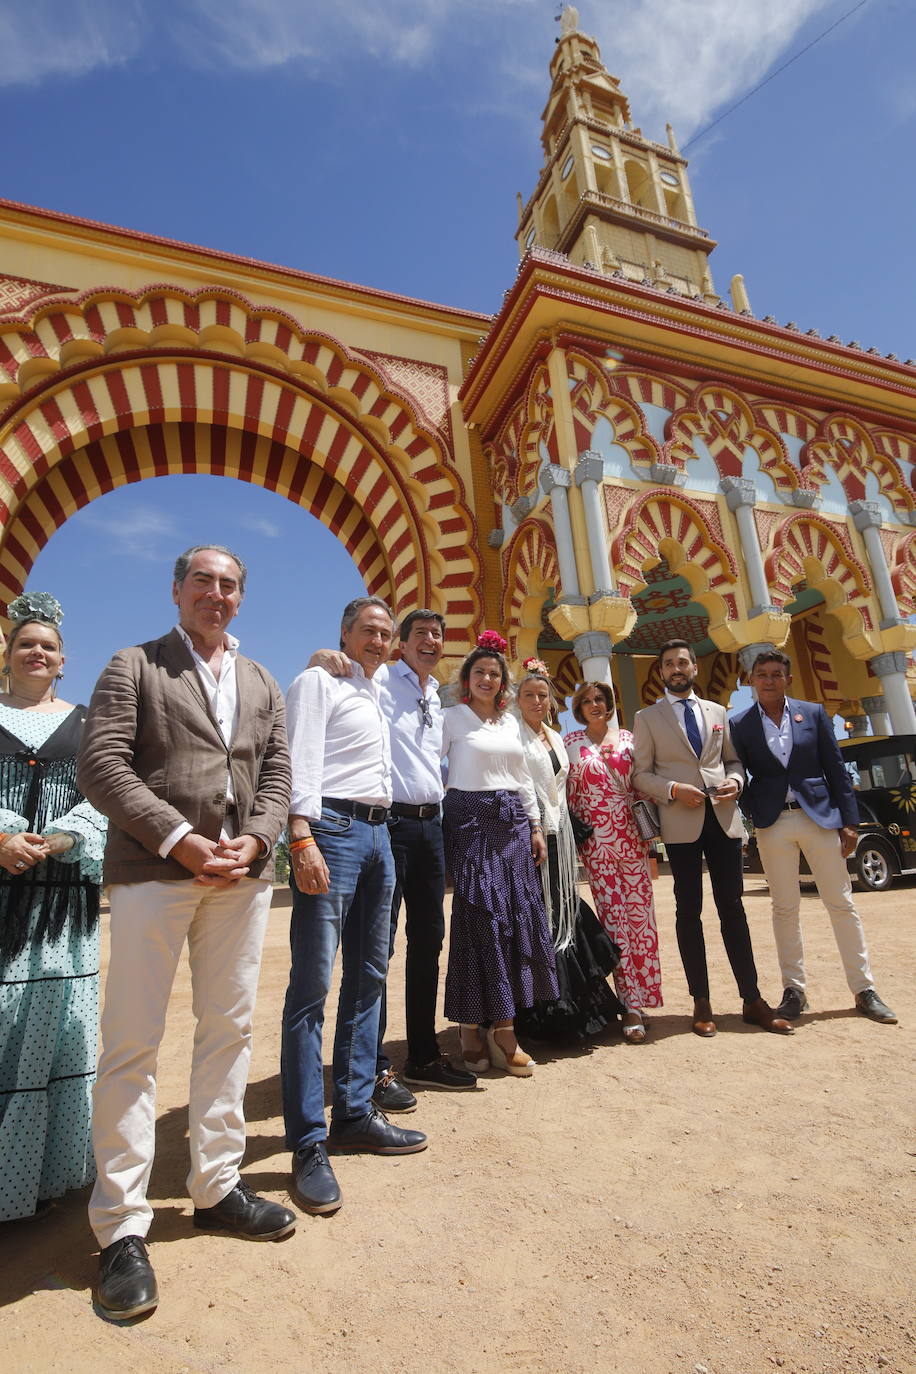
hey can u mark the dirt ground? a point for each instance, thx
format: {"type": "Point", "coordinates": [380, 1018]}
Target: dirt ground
{"type": "Point", "coordinates": [725, 1206]}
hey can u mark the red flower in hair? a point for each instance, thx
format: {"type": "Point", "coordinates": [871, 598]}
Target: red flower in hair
{"type": "Point", "coordinates": [491, 639]}
{"type": "Point", "coordinates": [536, 665]}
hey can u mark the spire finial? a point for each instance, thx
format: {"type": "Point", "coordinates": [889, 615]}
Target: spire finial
{"type": "Point", "coordinates": [569, 21]}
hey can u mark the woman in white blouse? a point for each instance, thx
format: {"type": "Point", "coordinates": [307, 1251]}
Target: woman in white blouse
{"type": "Point", "coordinates": [585, 953]}
{"type": "Point", "coordinates": [500, 952]}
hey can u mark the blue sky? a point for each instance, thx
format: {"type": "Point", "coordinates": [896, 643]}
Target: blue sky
{"type": "Point", "coordinates": [384, 144]}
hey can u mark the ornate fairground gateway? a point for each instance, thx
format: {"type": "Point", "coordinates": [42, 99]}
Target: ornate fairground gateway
{"type": "Point", "coordinates": [618, 457]}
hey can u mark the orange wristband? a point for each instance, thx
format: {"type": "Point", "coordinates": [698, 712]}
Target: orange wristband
{"type": "Point", "coordinates": [674, 791]}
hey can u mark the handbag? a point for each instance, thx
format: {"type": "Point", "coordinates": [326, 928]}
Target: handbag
{"type": "Point", "coordinates": [648, 822]}
{"type": "Point", "coordinates": [581, 829]}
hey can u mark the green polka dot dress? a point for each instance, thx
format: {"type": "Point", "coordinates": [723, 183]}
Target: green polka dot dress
{"type": "Point", "coordinates": [48, 1000]}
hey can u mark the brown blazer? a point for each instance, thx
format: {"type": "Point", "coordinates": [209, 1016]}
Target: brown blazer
{"type": "Point", "coordinates": [662, 754]}
{"type": "Point", "coordinates": [152, 756]}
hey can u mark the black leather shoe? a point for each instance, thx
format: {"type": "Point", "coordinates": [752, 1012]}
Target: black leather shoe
{"type": "Point", "coordinates": [314, 1188]}
{"type": "Point", "coordinates": [373, 1134]}
{"type": "Point", "coordinates": [440, 1073]}
{"type": "Point", "coordinates": [391, 1096]}
{"type": "Point", "coordinates": [127, 1284]}
{"type": "Point", "coordinates": [245, 1214]}
{"type": "Point", "coordinates": [792, 1005]}
{"type": "Point", "coordinates": [870, 1005]}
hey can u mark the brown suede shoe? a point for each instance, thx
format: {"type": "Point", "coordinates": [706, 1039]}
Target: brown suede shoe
{"type": "Point", "coordinates": [703, 1024]}
{"type": "Point", "coordinates": [760, 1013]}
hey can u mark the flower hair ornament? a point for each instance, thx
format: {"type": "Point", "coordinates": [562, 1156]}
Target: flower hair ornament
{"type": "Point", "coordinates": [536, 665]}
{"type": "Point", "coordinates": [491, 639]}
{"type": "Point", "coordinates": [36, 606]}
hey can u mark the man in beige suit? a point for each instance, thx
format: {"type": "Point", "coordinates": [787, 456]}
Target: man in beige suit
{"type": "Point", "coordinates": [685, 761]}
{"type": "Point", "coordinates": [184, 749]}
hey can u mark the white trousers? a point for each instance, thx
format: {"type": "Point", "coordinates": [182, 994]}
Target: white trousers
{"type": "Point", "coordinates": [780, 844]}
{"type": "Point", "coordinates": [150, 922]}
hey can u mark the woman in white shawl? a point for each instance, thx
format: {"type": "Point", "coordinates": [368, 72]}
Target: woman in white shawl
{"type": "Point", "coordinates": [585, 953]}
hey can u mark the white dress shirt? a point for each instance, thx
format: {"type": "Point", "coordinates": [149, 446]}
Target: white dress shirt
{"type": "Point", "coordinates": [677, 703]}
{"type": "Point", "coordinates": [779, 738]}
{"type": "Point", "coordinates": [223, 699]}
{"type": "Point", "coordinates": [416, 748]}
{"type": "Point", "coordinates": [487, 756]}
{"type": "Point", "coordinates": [338, 741]}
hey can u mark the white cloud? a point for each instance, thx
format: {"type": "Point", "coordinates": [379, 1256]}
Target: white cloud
{"type": "Point", "coordinates": [677, 59]}
{"type": "Point", "coordinates": [269, 33]}
{"type": "Point", "coordinates": [54, 38]}
{"type": "Point", "coordinates": [139, 532]}
{"type": "Point", "coordinates": [682, 60]}
{"type": "Point", "coordinates": [259, 525]}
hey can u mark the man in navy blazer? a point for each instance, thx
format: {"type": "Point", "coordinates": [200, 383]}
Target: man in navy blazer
{"type": "Point", "coordinates": [801, 800]}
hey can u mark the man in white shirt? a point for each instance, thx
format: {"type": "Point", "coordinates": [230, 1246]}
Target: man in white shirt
{"type": "Point", "coordinates": [343, 883]}
{"type": "Point", "coordinates": [410, 702]}
{"type": "Point", "coordinates": [184, 749]}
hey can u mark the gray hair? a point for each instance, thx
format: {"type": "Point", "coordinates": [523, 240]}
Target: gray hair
{"type": "Point", "coordinates": [183, 562]}
{"type": "Point", "coordinates": [359, 603]}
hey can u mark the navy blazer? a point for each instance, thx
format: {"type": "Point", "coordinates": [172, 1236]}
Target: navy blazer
{"type": "Point", "coordinates": [816, 772]}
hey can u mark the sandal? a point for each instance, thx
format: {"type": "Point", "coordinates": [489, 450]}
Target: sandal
{"type": "Point", "coordinates": [518, 1063]}
{"type": "Point", "coordinates": [481, 1063]}
{"type": "Point", "coordinates": [634, 1032]}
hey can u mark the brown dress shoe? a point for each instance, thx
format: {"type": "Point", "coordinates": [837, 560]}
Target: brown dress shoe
{"type": "Point", "coordinates": [760, 1013]}
{"type": "Point", "coordinates": [703, 1024]}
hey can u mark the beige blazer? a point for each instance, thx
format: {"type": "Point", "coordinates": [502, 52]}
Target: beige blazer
{"type": "Point", "coordinates": [662, 754]}
{"type": "Point", "coordinates": [152, 756]}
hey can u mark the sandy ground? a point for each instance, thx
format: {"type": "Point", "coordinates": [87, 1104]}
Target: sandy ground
{"type": "Point", "coordinates": [729, 1206]}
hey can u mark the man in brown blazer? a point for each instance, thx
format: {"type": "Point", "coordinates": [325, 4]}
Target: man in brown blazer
{"type": "Point", "coordinates": [684, 760]}
{"type": "Point", "coordinates": [184, 749]}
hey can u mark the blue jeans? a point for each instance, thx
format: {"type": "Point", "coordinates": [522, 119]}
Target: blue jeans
{"type": "Point", "coordinates": [355, 915]}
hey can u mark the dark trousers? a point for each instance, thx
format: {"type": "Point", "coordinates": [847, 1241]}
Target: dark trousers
{"type": "Point", "coordinates": [419, 861]}
{"type": "Point", "coordinates": [724, 864]}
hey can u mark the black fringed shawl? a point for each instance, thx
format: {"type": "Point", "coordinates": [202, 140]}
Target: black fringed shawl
{"type": "Point", "coordinates": [45, 781]}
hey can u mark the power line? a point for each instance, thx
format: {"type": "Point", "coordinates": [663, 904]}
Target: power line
{"type": "Point", "coordinates": [773, 75]}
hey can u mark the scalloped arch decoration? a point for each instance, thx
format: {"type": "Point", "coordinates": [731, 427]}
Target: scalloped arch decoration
{"type": "Point", "coordinates": [531, 573]}
{"type": "Point", "coordinates": [690, 548]}
{"type": "Point", "coordinates": [807, 548]}
{"type": "Point", "coordinates": [111, 362]}
{"type": "Point", "coordinates": [903, 573]}
{"type": "Point", "coordinates": [844, 446]}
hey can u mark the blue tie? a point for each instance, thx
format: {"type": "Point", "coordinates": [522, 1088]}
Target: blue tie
{"type": "Point", "coordinates": [693, 730]}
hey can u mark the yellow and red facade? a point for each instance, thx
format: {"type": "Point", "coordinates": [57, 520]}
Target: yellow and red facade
{"type": "Point", "coordinates": [619, 457]}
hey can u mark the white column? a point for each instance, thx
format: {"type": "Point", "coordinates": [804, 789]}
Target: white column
{"type": "Point", "coordinates": [877, 715]}
{"type": "Point", "coordinates": [868, 520]}
{"type": "Point", "coordinates": [589, 475]}
{"type": "Point", "coordinates": [891, 669]}
{"type": "Point", "coordinates": [593, 650]}
{"type": "Point", "coordinates": [740, 497]}
{"type": "Point", "coordinates": [555, 481]}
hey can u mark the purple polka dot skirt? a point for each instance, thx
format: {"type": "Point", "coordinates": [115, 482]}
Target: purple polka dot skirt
{"type": "Point", "coordinates": [501, 957]}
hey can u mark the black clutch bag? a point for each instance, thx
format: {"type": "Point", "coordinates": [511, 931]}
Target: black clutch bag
{"type": "Point", "coordinates": [581, 829]}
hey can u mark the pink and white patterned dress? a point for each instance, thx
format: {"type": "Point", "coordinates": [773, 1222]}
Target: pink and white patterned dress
{"type": "Point", "coordinates": [616, 862]}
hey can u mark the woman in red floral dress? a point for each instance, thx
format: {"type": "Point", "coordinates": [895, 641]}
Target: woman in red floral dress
{"type": "Point", "coordinates": [615, 856]}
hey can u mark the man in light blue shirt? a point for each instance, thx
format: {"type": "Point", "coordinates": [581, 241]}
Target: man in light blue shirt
{"type": "Point", "coordinates": [409, 699]}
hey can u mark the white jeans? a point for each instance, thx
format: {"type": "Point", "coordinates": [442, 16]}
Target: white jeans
{"type": "Point", "coordinates": [150, 922]}
{"type": "Point", "coordinates": [779, 844]}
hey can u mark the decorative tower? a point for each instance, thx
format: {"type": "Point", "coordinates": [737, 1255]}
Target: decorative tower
{"type": "Point", "coordinates": [608, 197]}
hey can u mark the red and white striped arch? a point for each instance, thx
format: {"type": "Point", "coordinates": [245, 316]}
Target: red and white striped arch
{"type": "Point", "coordinates": [531, 574]}
{"type": "Point", "coordinates": [167, 384]}
{"type": "Point", "coordinates": [809, 549]}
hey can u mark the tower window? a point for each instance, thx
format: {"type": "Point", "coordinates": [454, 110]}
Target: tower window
{"type": "Point", "coordinates": [669, 178]}
{"type": "Point", "coordinates": [567, 168]}
{"type": "Point", "coordinates": [603, 153]}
